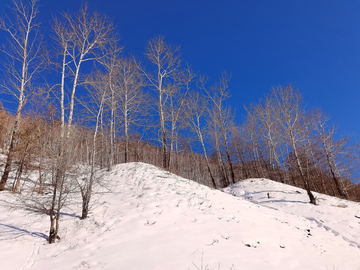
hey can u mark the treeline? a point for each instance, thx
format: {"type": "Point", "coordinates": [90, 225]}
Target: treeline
{"type": "Point", "coordinates": [97, 108]}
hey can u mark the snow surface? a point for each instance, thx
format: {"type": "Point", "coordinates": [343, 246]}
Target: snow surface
{"type": "Point", "coordinates": [156, 220]}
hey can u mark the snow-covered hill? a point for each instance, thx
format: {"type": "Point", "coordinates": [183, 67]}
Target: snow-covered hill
{"type": "Point", "coordinates": [156, 220]}
{"type": "Point", "coordinates": [341, 217]}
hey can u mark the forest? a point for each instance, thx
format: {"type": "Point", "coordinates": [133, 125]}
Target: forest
{"type": "Point", "coordinates": [82, 106]}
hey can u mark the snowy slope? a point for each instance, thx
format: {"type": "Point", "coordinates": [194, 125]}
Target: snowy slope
{"type": "Point", "coordinates": [341, 217]}
{"type": "Point", "coordinates": [156, 220]}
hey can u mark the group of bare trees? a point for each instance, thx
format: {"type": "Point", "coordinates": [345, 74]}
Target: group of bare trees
{"type": "Point", "coordinates": [285, 142]}
{"type": "Point", "coordinates": [82, 41]}
{"type": "Point", "coordinates": [103, 109]}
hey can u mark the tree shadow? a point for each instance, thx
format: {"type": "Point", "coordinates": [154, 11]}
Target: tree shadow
{"type": "Point", "coordinates": [286, 201]}
{"type": "Point", "coordinates": [69, 215]}
{"type": "Point", "coordinates": [22, 231]}
{"type": "Point", "coordinates": [274, 191]}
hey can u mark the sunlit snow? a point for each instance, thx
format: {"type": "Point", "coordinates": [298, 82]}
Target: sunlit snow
{"type": "Point", "coordinates": [156, 220]}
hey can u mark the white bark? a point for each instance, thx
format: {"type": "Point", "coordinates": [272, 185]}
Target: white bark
{"type": "Point", "coordinates": [82, 38]}
{"type": "Point", "coordinates": [167, 62]}
{"type": "Point", "coordinates": [23, 52]}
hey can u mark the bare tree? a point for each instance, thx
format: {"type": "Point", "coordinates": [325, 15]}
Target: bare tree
{"type": "Point", "coordinates": [290, 115]}
{"type": "Point", "coordinates": [272, 136]}
{"type": "Point", "coordinates": [239, 143]}
{"type": "Point", "coordinates": [60, 182]}
{"type": "Point", "coordinates": [23, 51]}
{"type": "Point", "coordinates": [336, 152]}
{"type": "Point", "coordinates": [98, 93]}
{"type": "Point", "coordinates": [164, 77]}
{"type": "Point", "coordinates": [196, 110]}
{"type": "Point", "coordinates": [175, 109]}
{"type": "Point", "coordinates": [221, 116]}
{"type": "Point", "coordinates": [111, 62]}
{"type": "Point", "coordinates": [255, 136]}
{"type": "Point", "coordinates": [132, 101]}
{"type": "Point", "coordinates": [82, 38]}
{"type": "Point", "coordinates": [54, 186]}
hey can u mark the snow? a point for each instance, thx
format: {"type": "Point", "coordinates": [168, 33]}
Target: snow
{"type": "Point", "coordinates": [156, 220]}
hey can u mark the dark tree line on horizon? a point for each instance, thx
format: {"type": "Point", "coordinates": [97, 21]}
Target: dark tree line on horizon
{"type": "Point", "coordinates": [97, 108]}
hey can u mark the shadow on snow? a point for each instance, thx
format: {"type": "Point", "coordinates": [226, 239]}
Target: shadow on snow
{"type": "Point", "coordinates": [19, 232]}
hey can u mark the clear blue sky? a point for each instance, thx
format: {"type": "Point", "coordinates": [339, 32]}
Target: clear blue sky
{"type": "Point", "coordinates": [312, 44]}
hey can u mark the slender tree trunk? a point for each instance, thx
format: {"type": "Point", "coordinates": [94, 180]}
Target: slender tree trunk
{"type": "Point", "coordinates": [126, 127]}
{"type": "Point", "coordinates": [163, 136]}
{"type": "Point", "coordinates": [228, 155]}
{"type": "Point", "coordinates": [205, 154]}
{"type": "Point", "coordinates": [112, 131]}
{"type": "Point", "coordinates": [334, 176]}
{"type": "Point", "coordinates": [86, 190]}
{"type": "Point", "coordinates": [52, 211]}
{"type": "Point", "coordinates": [305, 181]}
{"type": "Point", "coordinates": [222, 169]}
{"type": "Point", "coordinates": [72, 99]}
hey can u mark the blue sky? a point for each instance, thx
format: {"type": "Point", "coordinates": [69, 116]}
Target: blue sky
{"type": "Point", "coordinates": [312, 44]}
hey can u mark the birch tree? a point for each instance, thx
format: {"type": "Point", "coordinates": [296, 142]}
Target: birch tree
{"type": "Point", "coordinates": [162, 78]}
{"type": "Point", "coordinates": [196, 110]}
{"type": "Point", "coordinates": [239, 143]}
{"type": "Point", "coordinates": [132, 101]}
{"type": "Point", "coordinates": [111, 64]}
{"type": "Point", "coordinates": [98, 93]}
{"type": "Point", "coordinates": [22, 52]}
{"type": "Point", "coordinates": [81, 38]}
{"type": "Point", "coordinates": [175, 110]}
{"type": "Point", "coordinates": [272, 136]}
{"type": "Point", "coordinates": [221, 116]}
{"type": "Point", "coordinates": [290, 115]}
{"type": "Point", "coordinates": [336, 152]}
